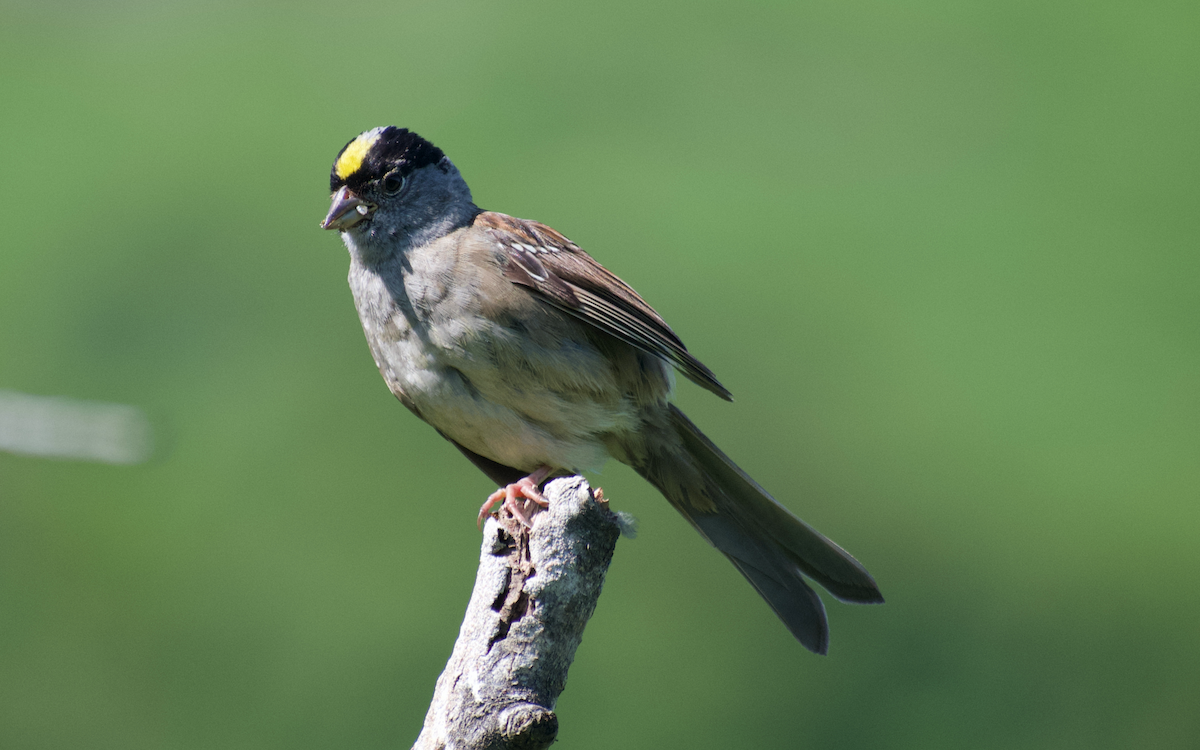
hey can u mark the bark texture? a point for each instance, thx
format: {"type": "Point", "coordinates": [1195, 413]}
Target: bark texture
{"type": "Point", "coordinates": [534, 592]}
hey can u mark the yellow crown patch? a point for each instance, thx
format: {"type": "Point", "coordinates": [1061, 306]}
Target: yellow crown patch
{"type": "Point", "coordinates": [352, 158]}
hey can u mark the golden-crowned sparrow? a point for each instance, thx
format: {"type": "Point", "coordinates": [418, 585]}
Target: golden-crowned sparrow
{"type": "Point", "coordinates": [535, 360]}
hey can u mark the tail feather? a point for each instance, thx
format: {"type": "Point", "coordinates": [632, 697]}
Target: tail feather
{"type": "Point", "coordinates": [794, 602]}
{"type": "Point", "coordinates": [767, 543]}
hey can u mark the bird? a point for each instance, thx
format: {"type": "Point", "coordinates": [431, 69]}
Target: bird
{"type": "Point", "coordinates": [536, 361]}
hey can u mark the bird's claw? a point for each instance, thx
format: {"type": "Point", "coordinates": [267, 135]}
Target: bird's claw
{"type": "Point", "coordinates": [522, 498]}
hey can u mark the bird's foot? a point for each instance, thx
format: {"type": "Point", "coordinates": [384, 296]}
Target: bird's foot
{"type": "Point", "coordinates": [522, 498]}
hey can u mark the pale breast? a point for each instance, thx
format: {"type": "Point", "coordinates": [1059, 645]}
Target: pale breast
{"type": "Point", "coordinates": [523, 385]}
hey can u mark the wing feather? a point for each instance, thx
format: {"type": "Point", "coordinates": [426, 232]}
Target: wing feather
{"type": "Point", "coordinates": [562, 274]}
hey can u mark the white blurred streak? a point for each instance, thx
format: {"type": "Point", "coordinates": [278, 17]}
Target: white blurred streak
{"type": "Point", "coordinates": [60, 427]}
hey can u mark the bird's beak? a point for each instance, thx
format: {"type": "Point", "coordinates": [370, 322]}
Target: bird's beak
{"type": "Point", "coordinates": [347, 210]}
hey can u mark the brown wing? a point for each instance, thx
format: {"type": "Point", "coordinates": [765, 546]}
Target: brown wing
{"type": "Point", "coordinates": [571, 280]}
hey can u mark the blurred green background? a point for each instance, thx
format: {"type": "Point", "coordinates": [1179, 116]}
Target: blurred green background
{"type": "Point", "coordinates": [944, 254]}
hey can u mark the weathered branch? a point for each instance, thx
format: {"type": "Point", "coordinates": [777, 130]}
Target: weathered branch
{"type": "Point", "coordinates": [534, 592]}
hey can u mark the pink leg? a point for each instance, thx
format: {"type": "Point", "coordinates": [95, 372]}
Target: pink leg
{"type": "Point", "coordinates": [521, 497]}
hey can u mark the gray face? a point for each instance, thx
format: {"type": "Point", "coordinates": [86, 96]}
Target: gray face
{"type": "Point", "coordinates": [379, 217]}
{"type": "Point", "coordinates": [426, 203]}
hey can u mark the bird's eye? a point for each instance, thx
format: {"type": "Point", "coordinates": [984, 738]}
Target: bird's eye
{"type": "Point", "coordinates": [393, 183]}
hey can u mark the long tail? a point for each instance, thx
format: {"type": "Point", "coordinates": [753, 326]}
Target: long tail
{"type": "Point", "coordinates": [769, 545]}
